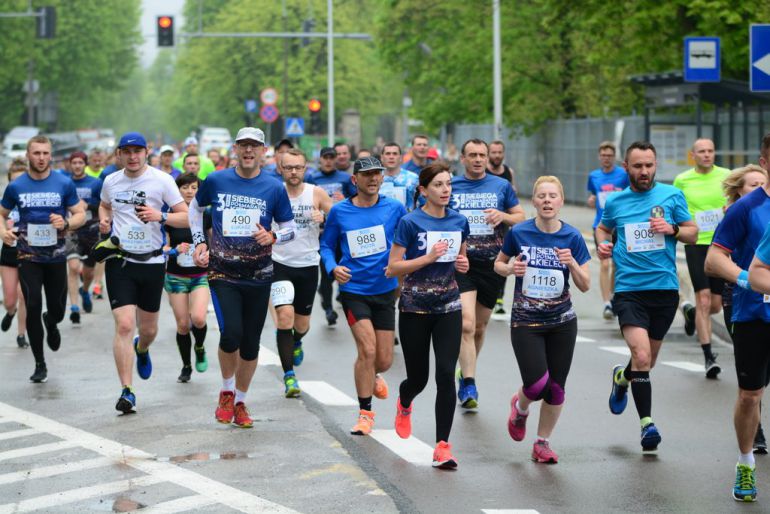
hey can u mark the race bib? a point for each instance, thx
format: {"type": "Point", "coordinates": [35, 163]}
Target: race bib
{"type": "Point", "coordinates": [707, 221]}
{"type": "Point", "coordinates": [136, 238]}
{"type": "Point", "coordinates": [543, 283]}
{"type": "Point", "coordinates": [367, 241]}
{"type": "Point", "coordinates": [477, 222]}
{"type": "Point", "coordinates": [602, 196]}
{"type": "Point", "coordinates": [453, 239]}
{"type": "Point", "coordinates": [766, 298]}
{"type": "Point", "coordinates": [185, 260]}
{"type": "Point", "coordinates": [282, 293]}
{"type": "Point", "coordinates": [41, 234]}
{"type": "Point", "coordinates": [397, 193]}
{"type": "Point", "coordinates": [640, 238]}
{"type": "Point", "coordinates": [239, 222]}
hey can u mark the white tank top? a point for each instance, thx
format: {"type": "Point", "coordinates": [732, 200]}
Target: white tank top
{"type": "Point", "coordinates": [303, 250]}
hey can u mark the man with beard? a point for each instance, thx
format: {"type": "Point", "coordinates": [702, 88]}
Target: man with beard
{"type": "Point", "coordinates": [496, 167]}
{"type": "Point", "coordinates": [649, 218]}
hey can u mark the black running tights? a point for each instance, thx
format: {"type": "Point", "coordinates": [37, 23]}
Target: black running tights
{"type": "Point", "coordinates": [34, 278]}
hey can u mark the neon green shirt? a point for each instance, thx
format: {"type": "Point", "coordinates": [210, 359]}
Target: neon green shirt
{"type": "Point", "coordinates": [705, 199]}
{"type": "Point", "coordinates": [207, 166]}
{"type": "Point", "coordinates": [93, 173]}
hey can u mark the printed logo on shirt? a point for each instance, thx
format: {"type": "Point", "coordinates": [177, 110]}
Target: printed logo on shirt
{"type": "Point", "coordinates": [474, 200]}
{"type": "Point", "coordinates": [231, 201]}
{"type": "Point", "coordinates": [131, 197]}
{"type": "Point", "coordinates": [84, 193]}
{"type": "Point", "coordinates": [39, 200]}
{"type": "Point", "coordinates": [540, 257]}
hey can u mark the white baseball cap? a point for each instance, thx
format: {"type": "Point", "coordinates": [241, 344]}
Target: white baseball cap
{"type": "Point", "coordinates": [192, 140]}
{"type": "Point", "coordinates": [251, 133]}
{"type": "Point", "coordinates": [166, 148]}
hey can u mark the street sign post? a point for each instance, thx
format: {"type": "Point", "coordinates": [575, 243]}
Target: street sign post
{"type": "Point", "coordinates": [759, 58]}
{"type": "Point", "coordinates": [250, 105]}
{"type": "Point", "coordinates": [295, 127]}
{"type": "Point", "coordinates": [268, 113]}
{"type": "Point", "coordinates": [702, 61]}
{"type": "Point", "coordinates": [269, 96]}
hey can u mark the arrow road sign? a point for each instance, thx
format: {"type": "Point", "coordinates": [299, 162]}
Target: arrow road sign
{"type": "Point", "coordinates": [759, 60]}
{"type": "Point", "coordinates": [701, 59]}
{"type": "Point", "coordinates": [268, 113]}
{"type": "Point", "coordinates": [295, 127]}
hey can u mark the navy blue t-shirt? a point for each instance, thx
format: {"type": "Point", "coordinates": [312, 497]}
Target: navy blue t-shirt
{"type": "Point", "coordinates": [541, 296]}
{"type": "Point", "coordinates": [89, 189]}
{"type": "Point", "coordinates": [431, 289]}
{"type": "Point", "coordinates": [334, 182]}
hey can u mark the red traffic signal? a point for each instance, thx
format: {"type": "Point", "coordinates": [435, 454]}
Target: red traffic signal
{"type": "Point", "coordinates": [165, 31]}
{"type": "Point", "coordinates": [314, 105]}
{"type": "Point", "coordinates": [164, 22]}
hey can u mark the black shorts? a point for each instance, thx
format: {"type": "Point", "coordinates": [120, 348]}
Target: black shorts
{"type": "Point", "coordinates": [131, 283]}
{"type": "Point", "coordinates": [379, 308]}
{"type": "Point", "coordinates": [304, 280]}
{"type": "Point", "coordinates": [696, 265]}
{"type": "Point", "coordinates": [481, 277]}
{"type": "Point", "coordinates": [652, 310]}
{"type": "Point", "coordinates": [9, 256]}
{"type": "Point", "coordinates": [751, 345]}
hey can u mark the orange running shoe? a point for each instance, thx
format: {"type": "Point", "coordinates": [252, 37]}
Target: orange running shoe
{"type": "Point", "coordinates": [98, 291]}
{"type": "Point", "coordinates": [225, 410]}
{"type": "Point", "coordinates": [380, 387]}
{"type": "Point", "coordinates": [365, 423]}
{"type": "Point", "coordinates": [403, 420]}
{"type": "Point", "coordinates": [242, 418]}
{"type": "Point", "coordinates": [442, 456]}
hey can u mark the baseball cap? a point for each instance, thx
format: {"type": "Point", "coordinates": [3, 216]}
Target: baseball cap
{"type": "Point", "coordinates": [132, 139]}
{"type": "Point", "coordinates": [284, 142]}
{"type": "Point", "coordinates": [191, 140]}
{"type": "Point", "coordinates": [166, 148]}
{"type": "Point", "coordinates": [367, 164]}
{"type": "Point", "coordinates": [328, 150]}
{"type": "Point", "coordinates": [251, 133]}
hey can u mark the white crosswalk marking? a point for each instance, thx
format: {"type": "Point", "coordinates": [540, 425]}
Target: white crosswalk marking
{"type": "Point", "coordinates": [327, 394]}
{"type": "Point", "coordinates": [4, 436]}
{"type": "Point", "coordinates": [179, 505]}
{"type": "Point", "coordinates": [36, 450]}
{"type": "Point", "coordinates": [58, 469]}
{"type": "Point", "coordinates": [411, 450]}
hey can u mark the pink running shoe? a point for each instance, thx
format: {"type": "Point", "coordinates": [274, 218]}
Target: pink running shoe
{"type": "Point", "coordinates": [517, 422]}
{"type": "Point", "coordinates": [542, 453]}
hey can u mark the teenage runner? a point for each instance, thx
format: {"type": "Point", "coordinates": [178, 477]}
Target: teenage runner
{"type": "Point", "coordinates": [490, 205]}
{"type": "Point", "coordinates": [702, 188]}
{"type": "Point", "coordinates": [295, 266]}
{"type": "Point", "coordinates": [132, 199]}
{"type": "Point", "coordinates": [43, 200]}
{"type": "Point", "coordinates": [543, 253]}
{"type": "Point", "coordinates": [9, 269]}
{"type": "Point", "coordinates": [79, 243]}
{"type": "Point", "coordinates": [244, 202]}
{"type": "Point", "coordinates": [428, 246]}
{"type": "Point", "coordinates": [362, 227]}
{"type": "Point", "coordinates": [649, 219]}
{"type": "Point", "coordinates": [187, 285]}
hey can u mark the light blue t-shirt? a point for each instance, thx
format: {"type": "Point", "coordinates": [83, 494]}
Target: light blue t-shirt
{"type": "Point", "coordinates": [644, 261]}
{"type": "Point", "coordinates": [763, 250]}
{"type": "Point", "coordinates": [402, 187]}
{"type": "Point", "coordinates": [602, 185]}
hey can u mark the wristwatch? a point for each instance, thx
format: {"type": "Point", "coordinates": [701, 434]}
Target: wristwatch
{"type": "Point", "coordinates": [163, 218]}
{"type": "Point", "coordinates": [676, 229]}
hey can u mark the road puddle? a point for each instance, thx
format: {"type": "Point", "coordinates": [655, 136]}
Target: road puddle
{"type": "Point", "coordinates": [204, 456]}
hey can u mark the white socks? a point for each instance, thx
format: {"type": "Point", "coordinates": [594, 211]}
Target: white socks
{"type": "Point", "coordinates": [228, 384]}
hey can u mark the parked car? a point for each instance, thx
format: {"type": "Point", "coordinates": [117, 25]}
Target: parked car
{"type": "Point", "coordinates": [15, 142]}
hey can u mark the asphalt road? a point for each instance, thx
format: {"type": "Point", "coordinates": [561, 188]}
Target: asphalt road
{"type": "Point", "coordinates": [63, 447]}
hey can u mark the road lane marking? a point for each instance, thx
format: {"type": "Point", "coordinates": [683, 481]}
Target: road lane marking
{"type": "Point", "coordinates": [620, 350]}
{"type": "Point", "coordinates": [581, 339]}
{"type": "Point", "coordinates": [178, 505]}
{"type": "Point", "coordinates": [143, 461]}
{"type": "Point", "coordinates": [411, 450]}
{"type": "Point", "coordinates": [688, 366]}
{"type": "Point", "coordinates": [509, 511]}
{"type": "Point", "coordinates": [82, 493]}
{"type": "Point", "coordinates": [36, 450]}
{"type": "Point", "coordinates": [327, 394]}
{"type": "Point", "coordinates": [13, 434]}
{"type": "Point", "coordinates": [58, 469]}
{"type": "Point", "coordinates": [267, 357]}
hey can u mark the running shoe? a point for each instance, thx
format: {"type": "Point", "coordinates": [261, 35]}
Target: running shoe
{"type": "Point", "coordinates": [403, 420]}
{"type": "Point", "coordinates": [143, 361]}
{"type": "Point", "coordinates": [499, 309]}
{"type": "Point", "coordinates": [618, 395]}
{"type": "Point", "coordinates": [517, 422]}
{"type": "Point", "coordinates": [21, 342]}
{"type": "Point", "coordinates": [650, 437]}
{"type": "Point", "coordinates": [226, 408]}
{"type": "Point", "coordinates": [760, 445]}
{"type": "Point", "coordinates": [395, 341]}
{"type": "Point", "coordinates": [607, 312]}
{"type": "Point", "coordinates": [469, 399]}
{"type": "Point", "coordinates": [85, 296]}
{"type": "Point", "coordinates": [41, 373]}
{"type": "Point", "coordinates": [291, 385]}
{"type": "Point", "coordinates": [201, 362]}
{"type": "Point", "coordinates": [53, 337]}
{"type": "Point", "coordinates": [712, 368]}
{"type": "Point", "coordinates": [745, 488]}
{"type": "Point", "coordinates": [98, 291]}
{"type": "Point", "coordinates": [542, 453]}
{"type": "Point", "coordinates": [126, 402]}
{"type": "Point", "coordinates": [688, 311]}
{"type": "Point", "coordinates": [241, 417]}
{"type": "Point", "coordinates": [7, 320]}
{"type": "Point", "coordinates": [331, 317]}
{"type": "Point", "coordinates": [364, 424]}
{"type": "Point", "coordinates": [185, 375]}
{"type": "Point", "coordinates": [75, 315]}
{"type": "Point", "coordinates": [298, 354]}
{"type": "Point", "coordinates": [380, 387]}
{"type": "Point", "coordinates": [442, 456]}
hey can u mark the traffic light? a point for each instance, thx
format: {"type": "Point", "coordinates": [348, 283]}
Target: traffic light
{"type": "Point", "coordinates": [307, 26]}
{"type": "Point", "coordinates": [165, 28]}
{"type": "Point", "coordinates": [46, 23]}
{"type": "Point", "coordinates": [316, 124]}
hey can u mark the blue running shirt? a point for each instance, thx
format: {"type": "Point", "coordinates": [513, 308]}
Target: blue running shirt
{"type": "Point", "coordinates": [335, 182]}
{"type": "Point", "coordinates": [763, 250]}
{"type": "Point", "coordinates": [36, 200]}
{"type": "Point", "coordinates": [402, 187]}
{"type": "Point", "coordinates": [602, 185]}
{"type": "Point", "coordinates": [541, 296]}
{"type": "Point", "coordinates": [644, 261]}
{"type": "Point", "coordinates": [431, 289]}
{"type": "Point", "coordinates": [739, 233]}
{"type": "Point", "coordinates": [237, 205]}
{"type": "Point", "coordinates": [364, 235]}
{"type": "Point", "coordinates": [89, 189]}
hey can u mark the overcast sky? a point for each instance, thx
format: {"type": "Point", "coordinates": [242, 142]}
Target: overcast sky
{"type": "Point", "coordinates": [150, 10]}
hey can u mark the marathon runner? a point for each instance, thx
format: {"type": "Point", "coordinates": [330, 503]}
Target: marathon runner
{"type": "Point", "coordinates": [419, 152]}
{"type": "Point", "coordinates": [398, 183]}
{"type": "Point", "coordinates": [9, 268]}
{"type": "Point", "coordinates": [167, 160]}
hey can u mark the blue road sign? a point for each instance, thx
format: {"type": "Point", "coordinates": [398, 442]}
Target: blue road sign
{"type": "Point", "coordinates": [268, 113]}
{"type": "Point", "coordinates": [295, 127]}
{"type": "Point", "coordinates": [759, 58]}
{"type": "Point", "coordinates": [250, 105]}
{"type": "Point", "coordinates": [702, 61]}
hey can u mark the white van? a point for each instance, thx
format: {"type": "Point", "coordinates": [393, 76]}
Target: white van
{"type": "Point", "coordinates": [215, 137]}
{"type": "Point", "coordinates": [15, 142]}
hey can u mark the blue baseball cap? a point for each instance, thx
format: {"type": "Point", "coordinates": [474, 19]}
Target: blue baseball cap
{"type": "Point", "coordinates": [132, 139]}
